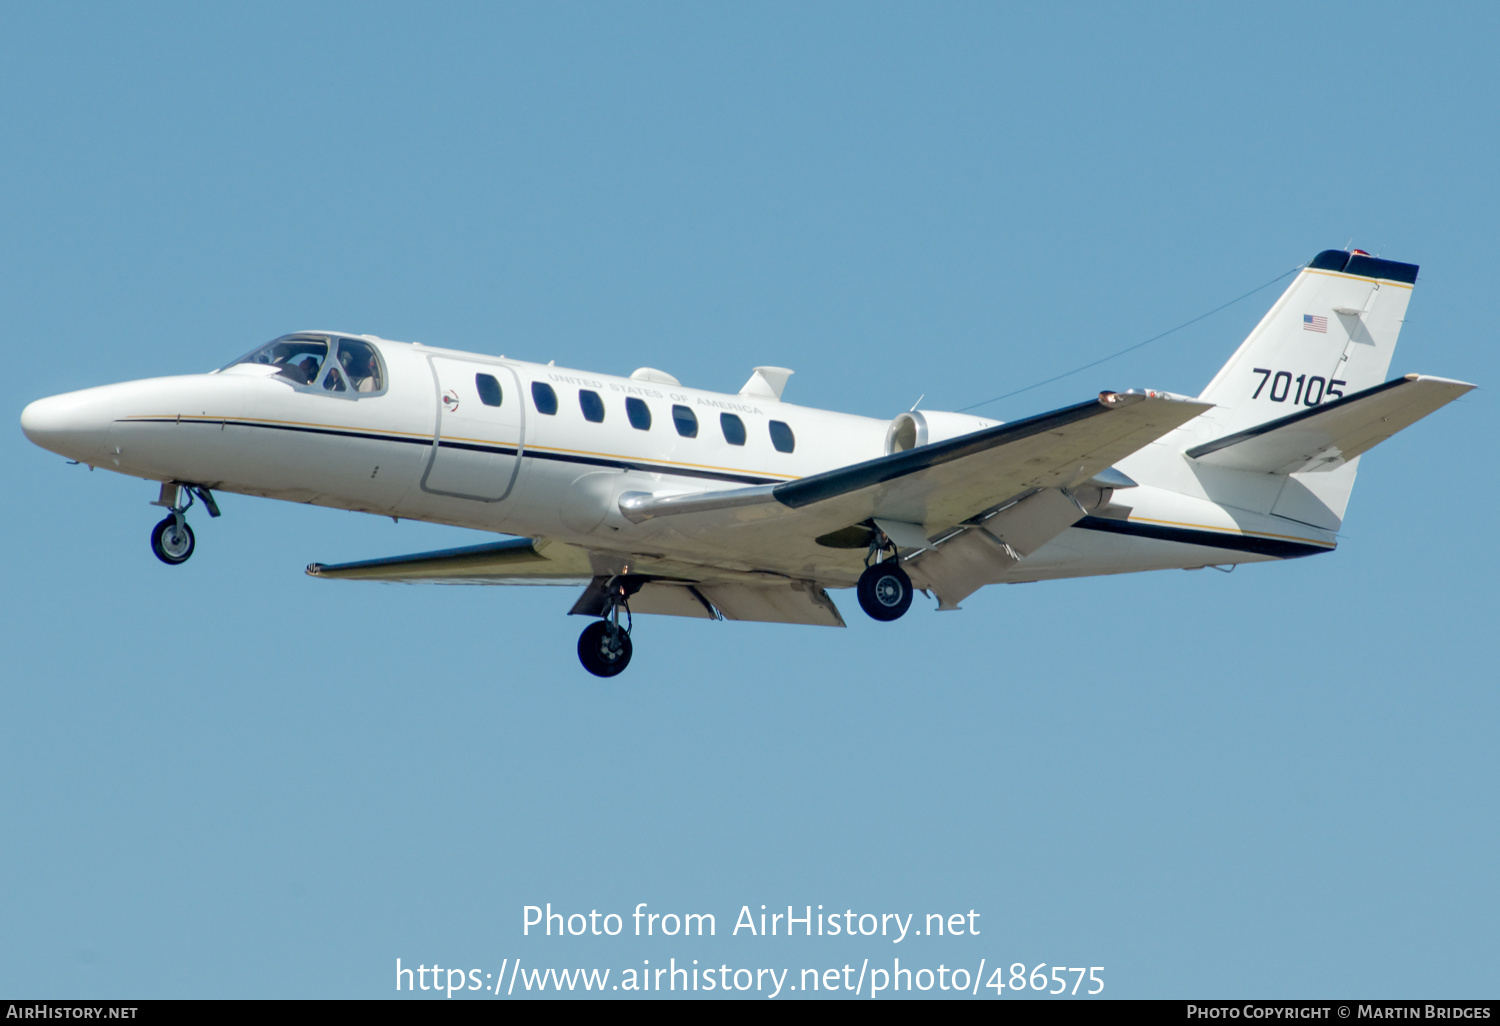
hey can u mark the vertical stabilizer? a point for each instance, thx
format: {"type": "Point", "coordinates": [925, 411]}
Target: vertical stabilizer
{"type": "Point", "coordinates": [1331, 334]}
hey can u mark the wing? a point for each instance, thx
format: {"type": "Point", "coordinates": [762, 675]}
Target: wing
{"type": "Point", "coordinates": [1008, 482]}
{"type": "Point", "coordinates": [664, 587]}
{"type": "Point", "coordinates": [932, 487]}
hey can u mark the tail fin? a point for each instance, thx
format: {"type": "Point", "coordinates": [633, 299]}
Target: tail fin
{"type": "Point", "coordinates": [1331, 334]}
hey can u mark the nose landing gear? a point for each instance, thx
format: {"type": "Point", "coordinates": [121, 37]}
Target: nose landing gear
{"type": "Point", "coordinates": [172, 538]}
{"type": "Point", "coordinates": [604, 646]}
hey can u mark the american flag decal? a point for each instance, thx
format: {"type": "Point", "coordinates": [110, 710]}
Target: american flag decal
{"type": "Point", "coordinates": [1311, 323]}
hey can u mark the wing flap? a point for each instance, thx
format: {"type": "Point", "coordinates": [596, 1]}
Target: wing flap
{"type": "Point", "coordinates": [793, 602]}
{"type": "Point", "coordinates": [1328, 436]}
{"type": "Point", "coordinates": [766, 601]}
{"type": "Point", "coordinates": [983, 553]}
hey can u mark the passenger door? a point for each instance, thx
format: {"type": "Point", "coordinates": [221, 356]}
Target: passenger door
{"type": "Point", "coordinates": [480, 434]}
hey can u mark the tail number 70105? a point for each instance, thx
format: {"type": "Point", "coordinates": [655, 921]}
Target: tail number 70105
{"type": "Point", "coordinates": [1310, 390]}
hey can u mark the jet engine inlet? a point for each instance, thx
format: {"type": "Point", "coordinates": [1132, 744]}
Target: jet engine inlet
{"type": "Point", "coordinates": [920, 427]}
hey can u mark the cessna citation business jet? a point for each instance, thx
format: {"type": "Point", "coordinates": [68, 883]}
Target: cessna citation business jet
{"type": "Point", "coordinates": [660, 498]}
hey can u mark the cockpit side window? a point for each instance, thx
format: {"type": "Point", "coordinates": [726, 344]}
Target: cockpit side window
{"type": "Point", "coordinates": [296, 358]}
{"type": "Point", "coordinates": [361, 365]}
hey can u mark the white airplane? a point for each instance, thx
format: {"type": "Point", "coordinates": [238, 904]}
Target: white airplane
{"type": "Point", "coordinates": [660, 498]}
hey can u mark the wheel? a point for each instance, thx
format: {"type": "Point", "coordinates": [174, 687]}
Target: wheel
{"type": "Point", "coordinates": [172, 544]}
{"type": "Point", "coordinates": [604, 648]}
{"type": "Point", "coordinates": [884, 591]}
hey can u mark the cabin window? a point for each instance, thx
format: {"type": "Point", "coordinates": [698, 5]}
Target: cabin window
{"type": "Point", "coordinates": [782, 437]}
{"type": "Point", "coordinates": [686, 421]}
{"type": "Point", "coordinates": [591, 405]}
{"type": "Point", "coordinates": [489, 389]}
{"type": "Point", "coordinates": [639, 414]}
{"type": "Point", "coordinates": [733, 428]}
{"type": "Point", "coordinates": [543, 398]}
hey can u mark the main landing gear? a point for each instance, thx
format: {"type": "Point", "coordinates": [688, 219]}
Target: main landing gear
{"type": "Point", "coordinates": [604, 646]}
{"type": "Point", "coordinates": [884, 589]}
{"type": "Point", "coordinates": [172, 539]}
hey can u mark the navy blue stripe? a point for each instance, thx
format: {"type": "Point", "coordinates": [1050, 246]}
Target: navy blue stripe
{"type": "Point", "coordinates": [498, 450]}
{"type": "Point", "coordinates": [280, 427]}
{"type": "Point", "coordinates": [1189, 536]}
{"type": "Point", "coordinates": [649, 468]}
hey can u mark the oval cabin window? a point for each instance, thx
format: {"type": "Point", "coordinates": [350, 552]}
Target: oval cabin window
{"type": "Point", "coordinates": [489, 389]}
{"type": "Point", "coordinates": [591, 405]}
{"type": "Point", "coordinates": [543, 398]}
{"type": "Point", "coordinates": [639, 414]}
{"type": "Point", "coordinates": [782, 437]}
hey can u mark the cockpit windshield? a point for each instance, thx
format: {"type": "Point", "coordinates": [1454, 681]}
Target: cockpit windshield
{"type": "Point", "coordinates": [304, 361]}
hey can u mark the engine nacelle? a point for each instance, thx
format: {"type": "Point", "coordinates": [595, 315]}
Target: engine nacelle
{"type": "Point", "coordinates": [920, 427]}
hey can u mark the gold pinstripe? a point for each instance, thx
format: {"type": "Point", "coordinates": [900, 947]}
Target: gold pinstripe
{"type": "Point", "coordinates": [1359, 277]}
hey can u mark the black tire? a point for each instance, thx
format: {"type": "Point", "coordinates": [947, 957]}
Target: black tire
{"type": "Point", "coordinates": [172, 545]}
{"type": "Point", "coordinates": [604, 649]}
{"type": "Point", "coordinates": [884, 591]}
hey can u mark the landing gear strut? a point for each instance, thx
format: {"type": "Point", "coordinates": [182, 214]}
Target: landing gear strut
{"type": "Point", "coordinates": [604, 646]}
{"type": "Point", "coordinates": [884, 589]}
{"type": "Point", "coordinates": [172, 538]}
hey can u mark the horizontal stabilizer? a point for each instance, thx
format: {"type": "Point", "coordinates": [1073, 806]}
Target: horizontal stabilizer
{"type": "Point", "coordinates": [1328, 436]}
{"type": "Point", "coordinates": [516, 561]}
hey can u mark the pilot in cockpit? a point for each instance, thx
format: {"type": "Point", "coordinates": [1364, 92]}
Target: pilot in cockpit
{"type": "Point", "coordinates": [308, 368]}
{"type": "Point", "coordinates": [360, 366]}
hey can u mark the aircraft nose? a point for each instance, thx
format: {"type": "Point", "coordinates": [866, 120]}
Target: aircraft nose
{"type": "Point", "coordinates": [73, 424]}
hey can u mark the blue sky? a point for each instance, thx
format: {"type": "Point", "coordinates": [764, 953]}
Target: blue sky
{"type": "Point", "coordinates": [1280, 782]}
